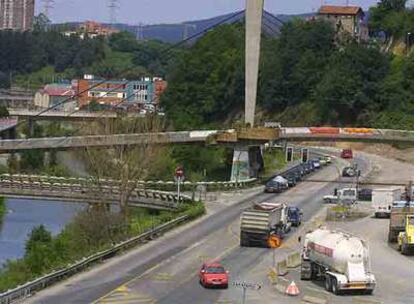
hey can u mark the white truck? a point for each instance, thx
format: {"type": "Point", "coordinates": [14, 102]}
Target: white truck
{"type": "Point", "coordinates": [260, 221]}
{"type": "Point", "coordinates": [345, 196]}
{"type": "Point", "coordinates": [339, 258]}
{"type": "Point", "coordinates": [382, 200]}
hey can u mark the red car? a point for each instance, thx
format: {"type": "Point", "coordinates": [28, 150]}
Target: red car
{"type": "Point", "coordinates": [346, 153]}
{"type": "Point", "coordinates": [214, 274]}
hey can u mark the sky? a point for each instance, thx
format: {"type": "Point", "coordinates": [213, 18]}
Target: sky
{"type": "Point", "coordinates": [174, 11]}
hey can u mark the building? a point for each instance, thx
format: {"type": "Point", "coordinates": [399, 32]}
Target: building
{"type": "Point", "coordinates": [92, 29]}
{"type": "Point", "coordinates": [144, 91]}
{"type": "Point", "coordinates": [56, 93]}
{"type": "Point", "coordinates": [16, 14]}
{"type": "Point", "coordinates": [346, 19]}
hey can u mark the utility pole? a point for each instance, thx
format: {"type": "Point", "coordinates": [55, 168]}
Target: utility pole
{"type": "Point", "coordinates": [113, 6]}
{"type": "Point", "coordinates": [48, 5]}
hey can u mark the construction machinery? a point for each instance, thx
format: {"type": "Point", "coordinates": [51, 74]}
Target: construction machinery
{"type": "Point", "coordinates": [406, 237]}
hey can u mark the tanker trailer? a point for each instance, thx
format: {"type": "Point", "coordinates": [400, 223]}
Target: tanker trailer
{"type": "Point", "coordinates": [339, 258]}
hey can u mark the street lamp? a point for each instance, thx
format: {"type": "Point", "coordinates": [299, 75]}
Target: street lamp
{"type": "Point", "coordinates": [408, 42]}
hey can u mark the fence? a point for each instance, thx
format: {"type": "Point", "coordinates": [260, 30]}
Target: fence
{"type": "Point", "coordinates": [139, 184]}
{"type": "Point", "coordinates": [49, 279]}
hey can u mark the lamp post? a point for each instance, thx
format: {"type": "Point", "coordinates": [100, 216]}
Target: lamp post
{"type": "Point", "coordinates": [408, 42]}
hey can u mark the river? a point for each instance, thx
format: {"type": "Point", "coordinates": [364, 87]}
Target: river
{"type": "Point", "coordinates": [22, 215]}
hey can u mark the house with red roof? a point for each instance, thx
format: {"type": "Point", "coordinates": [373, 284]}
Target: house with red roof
{"type": "Point", "coordinates": [56, 94]}
{"type": "Point", "coordinates": [346, 19]}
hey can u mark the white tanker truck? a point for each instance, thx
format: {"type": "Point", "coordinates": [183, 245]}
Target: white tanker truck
{"type": "Point", "coordinates": [339, 258]}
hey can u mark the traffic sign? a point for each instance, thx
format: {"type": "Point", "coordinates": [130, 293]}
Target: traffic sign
{"type": "Point", "coordinates": [179, 172]}
{"type": "Point", "coordinates": [274, 241]}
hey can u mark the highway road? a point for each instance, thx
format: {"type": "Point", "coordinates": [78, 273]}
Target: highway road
{"type": "Point", "coordinates": [394, 272]}
{"type": "Point", "coordinates": [165, 270]}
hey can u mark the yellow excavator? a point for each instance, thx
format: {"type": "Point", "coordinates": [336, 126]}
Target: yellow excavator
{"type": "Point", "coordinates": [406, 237]}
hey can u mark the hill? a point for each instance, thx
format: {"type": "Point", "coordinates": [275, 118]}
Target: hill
{"type": "Point", "coordinates": [172, 33]}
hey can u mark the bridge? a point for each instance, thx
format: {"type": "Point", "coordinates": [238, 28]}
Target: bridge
{"type": "Point", "coordinates": [67, 115]}
{"type": "Point", "coordinates": [84, 191]}
{"type": "Point", "coordinates": [247, 137]}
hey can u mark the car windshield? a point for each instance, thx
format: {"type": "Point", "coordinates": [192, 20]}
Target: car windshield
{"type": "Point", "coordinates": [217, 269]}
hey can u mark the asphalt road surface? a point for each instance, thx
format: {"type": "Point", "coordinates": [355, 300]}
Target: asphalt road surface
{"type": "Point", "coordinates": [165, 270]}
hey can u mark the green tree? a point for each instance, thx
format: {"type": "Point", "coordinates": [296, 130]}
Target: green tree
{"type": "Point", "coordinates": [207, 83]}
{"type": "Point", "coordinates": [39, 234]}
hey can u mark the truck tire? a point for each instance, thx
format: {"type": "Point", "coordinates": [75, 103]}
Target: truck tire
{"type": "Point", "coordinates": [392, 236]}
{"type": "Point", "coordinates": [244, 240]}
{"type": "Point", "coordinates": [404, 249]}
{"type": "Point", "coordinates": [334, 285]}
{"type": "Point", "coordinates": [328, 283]}
{"type": "Point", "coordinates": [306, 271]}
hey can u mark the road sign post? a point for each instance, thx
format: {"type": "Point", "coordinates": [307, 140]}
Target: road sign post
{"type": "Point", "coordinates": [245, 286]}
{"type": "Point", "coordinates": [274, 242]}
{"type": "Point", "coordinates": [179, 177]}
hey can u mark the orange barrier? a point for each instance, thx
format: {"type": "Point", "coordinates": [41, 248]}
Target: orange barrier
{"type": "Point", "coordinates": [358, 130]}
{"type": "Point", "coordinates": [324, 130]}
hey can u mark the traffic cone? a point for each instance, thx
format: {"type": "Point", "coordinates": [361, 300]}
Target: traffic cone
{"type": "Point", "coordinates": [292, 289]}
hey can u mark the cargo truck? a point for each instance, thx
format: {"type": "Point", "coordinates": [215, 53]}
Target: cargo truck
{"type": "Point", "coordinates": [339, 258]}
{"type": "Point", "coordinates": [382, 200]}
{"type": "Point", "coordinates": [260, 221]}
{"type": "Point", "coordinates": [399, 211]}
{"type": "Point", "coordinates": [406, 238]}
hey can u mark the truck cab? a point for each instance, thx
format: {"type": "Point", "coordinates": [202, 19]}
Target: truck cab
{"type": "Point", "coordinates": [295, 216]}
{"type": "Point", "coordinates": [406, 237]}
{"type": "Point", "coordinates": [345, 195]}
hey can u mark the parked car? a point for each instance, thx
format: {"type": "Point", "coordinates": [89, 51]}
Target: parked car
{"type": "Point", "coordinates": [273, 186]}
{"type": "Point", "coordinates": [291, 178]}
{"type": "Point", "coordinates": [346, 153]}
{"type": "Point", "coordinates": [213, 275]}
{"type": "Point", "coordinates": [365, 194]}
{"type": "Point", "coordinates": [305, 168]}
{"type": "Point", "coordinates": [282, 181]}
{"type": "Point", "coordinates": [297, 174]}
{"type": "Point", "coordinates": [322, 161]}
{"type": "Point", "coordinates": [316, 163]}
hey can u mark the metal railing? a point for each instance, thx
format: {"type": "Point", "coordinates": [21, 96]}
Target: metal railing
{"type": "Point", "coordinates": [29, 288]}
{"type": "Point", "coordinates": [84, 190]}
{"type": "Point", "coordinates": [139, 184]}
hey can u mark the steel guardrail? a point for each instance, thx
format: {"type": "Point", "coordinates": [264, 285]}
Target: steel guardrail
{"type": "Point", "coordinates": [29, 288]}
{"type": "Point", "coordinates": [213, 185]}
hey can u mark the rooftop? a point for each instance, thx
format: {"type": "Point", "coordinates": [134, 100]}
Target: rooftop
{"type": "Point", "coordinates": [340, 10]}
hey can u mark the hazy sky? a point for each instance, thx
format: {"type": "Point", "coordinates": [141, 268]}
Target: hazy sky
{"type": "Point", "coordinates": [171, 11]}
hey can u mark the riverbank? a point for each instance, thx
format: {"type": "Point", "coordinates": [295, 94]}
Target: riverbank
{"type": "Point", "coordinates": [89, 232]}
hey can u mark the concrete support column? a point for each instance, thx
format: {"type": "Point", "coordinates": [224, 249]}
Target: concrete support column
{"type": "Point", "coordinates": [240, 169]}
{"type": "Point", "coordinates": [254, 11]}
{"type": "Point", "coordinates": [247, 163]}
{"type": "Point", "coordinates": [31, 126]}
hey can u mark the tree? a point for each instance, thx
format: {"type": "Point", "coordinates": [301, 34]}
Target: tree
{"type": "Point", "coordinates": [39, 234]}
{"type": "Point", "coordinates": [3, 111]}
{"type": "Point", "coordinates": [208, 81]}
{"type": "Point", "coordinates": [125, 164]}
{"type": "Point", "coordinates": [293, 64]}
